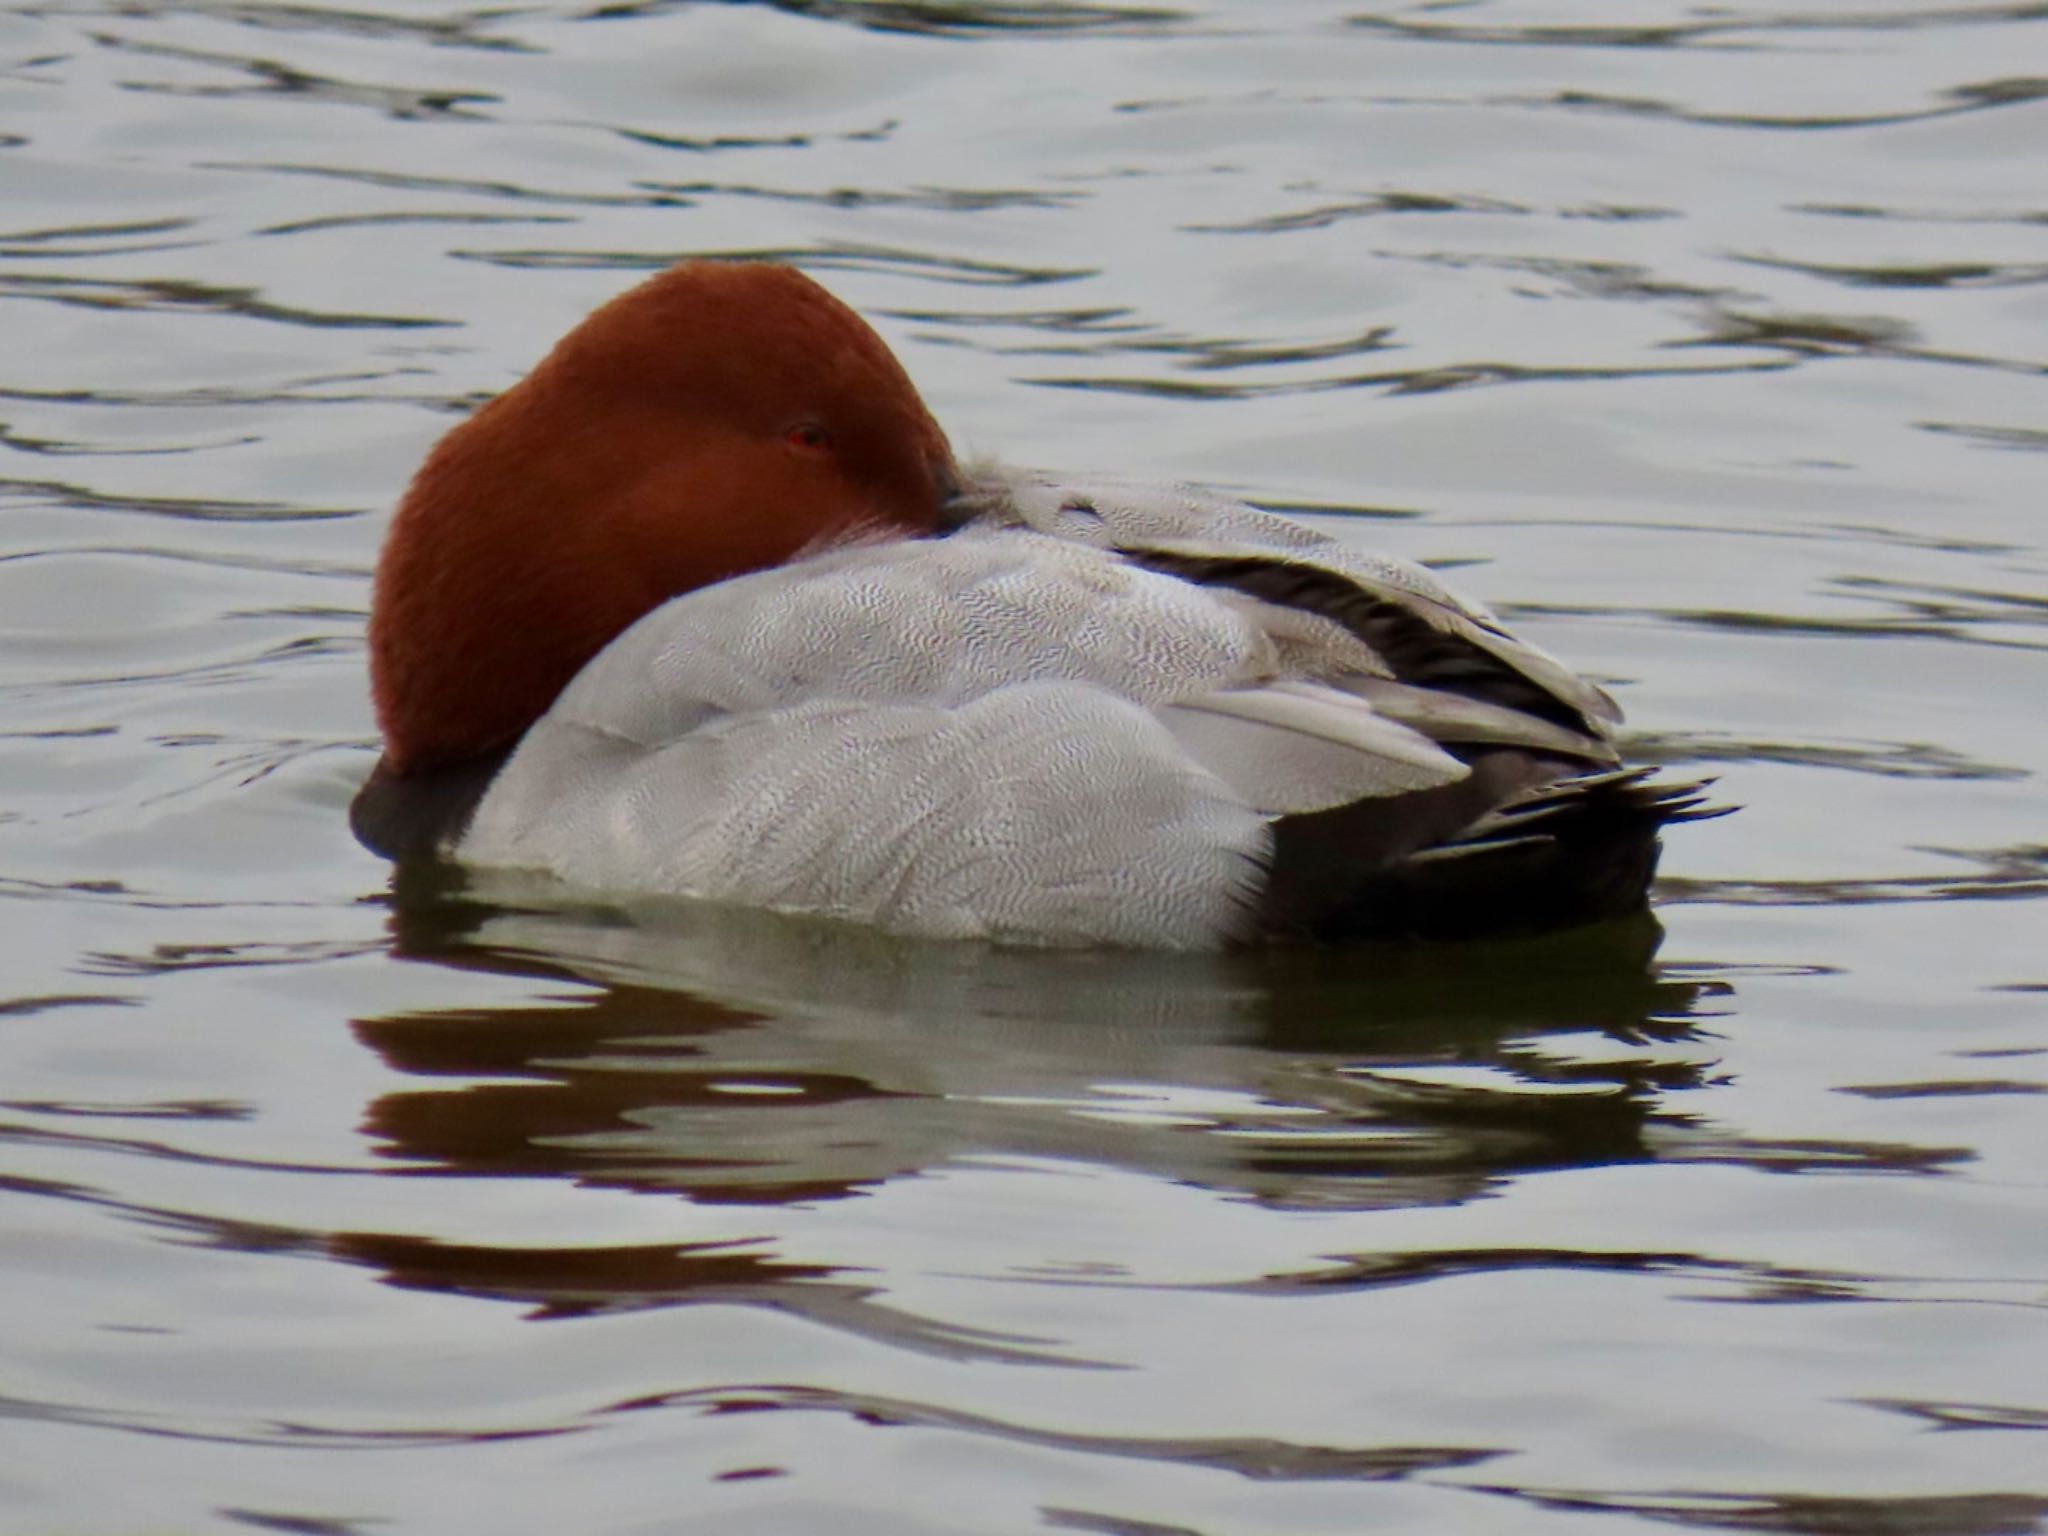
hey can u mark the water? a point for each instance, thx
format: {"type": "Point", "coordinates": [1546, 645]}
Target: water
{"type": "Point", "coordinates": [1706, 343]}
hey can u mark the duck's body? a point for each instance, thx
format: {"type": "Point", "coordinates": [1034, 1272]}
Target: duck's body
{"type": "Point", "coordinates": [1028, 709]}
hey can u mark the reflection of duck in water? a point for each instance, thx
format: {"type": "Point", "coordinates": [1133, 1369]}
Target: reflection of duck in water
{"type": "Point", "coordinates": [742, 1058]}
{"type": "Point", "coordinates": [704, 607]}
{"type": "Point", "coordinates": [754, 1065]}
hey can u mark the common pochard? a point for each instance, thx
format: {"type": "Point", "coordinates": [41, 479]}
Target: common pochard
{"type": "Point", "coordinates": [705, 606]}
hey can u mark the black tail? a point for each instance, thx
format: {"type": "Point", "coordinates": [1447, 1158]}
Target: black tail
{"type": "Point", "coordinates": [1492, 856]}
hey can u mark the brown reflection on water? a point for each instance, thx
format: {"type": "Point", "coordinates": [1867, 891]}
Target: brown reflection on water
{"type": "Point", "coordinates": [737, 1059]}
{"type": "Point", "coordinates": [779, 1061]}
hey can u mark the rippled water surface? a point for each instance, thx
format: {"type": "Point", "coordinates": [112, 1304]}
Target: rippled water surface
{"type": "Point", "coordinates": [1708, 343]}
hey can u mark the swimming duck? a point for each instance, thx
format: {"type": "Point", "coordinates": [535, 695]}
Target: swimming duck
{"type": "Point", "coordinates": [705, 606]}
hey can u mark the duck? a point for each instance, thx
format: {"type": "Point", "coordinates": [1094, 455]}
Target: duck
{"type": "Point", "coordinates": [705, 606]}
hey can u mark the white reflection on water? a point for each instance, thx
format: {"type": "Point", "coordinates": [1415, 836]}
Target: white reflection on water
{"type": "Point", "coordinates": [1706, 342]}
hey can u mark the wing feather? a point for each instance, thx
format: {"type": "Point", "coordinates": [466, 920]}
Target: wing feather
{"type": "Point", "coordinates": [1426, 633]}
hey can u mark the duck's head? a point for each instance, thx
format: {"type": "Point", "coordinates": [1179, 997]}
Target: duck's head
{"type": "Point", "coordinates": [717, 419]}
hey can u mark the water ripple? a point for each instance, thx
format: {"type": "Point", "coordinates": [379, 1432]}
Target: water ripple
{"type": "Point", "coordinates": [560, 1283]}
{"type": "Point", "coordinates": [1967, 1415]}
{"type": "Point", "coordinates": [2022, 439]}
{"type": "Point", "coordinates": [1428, 380]}
{"type": "Point", "coordinates": [1957, 101]}
{"type": "Point", "coordinates": [1914, 620]}
{"type": "Point", "coordinates": [287, 82]}
{"type": "Point", "coordinates": [1255, 1459]}
{"type": "Point", "coordinates": [1953, 1088]}
{"type": "Point", "coordinates": [1710, 29]}
{"type": "Point", "coordinates": [449, 29]}
{"type": "Point", "coordinates": [1965, 1514]}
{"type": "Point", "coordinates": [2004, 874]}
{"type": "Point", "coordinates": [79, 241]}
{"type": "Point", "coordinates": [60, 493]}
{"type": "Point", "coordinates": [818, 258]}
{"type": "Point", "coordinates": [186, 296]}
{"type": "Point", "coordinates": [1951, 274]}
{"type": "Point", "coordinates": [1889, 760]}
{"type": "Point", "coordinates": [187, 1426]}
{"type": "Point", "coordinates": [1375, 205]}
{"type": "Point", "coordinates": [954, 18]}
{"type": "Point", "coordinates": [936, 199]}
{"type": "Point", "coordinates": [1712, 1279]}
{"type": "Point", "coordinates": [703, 144]}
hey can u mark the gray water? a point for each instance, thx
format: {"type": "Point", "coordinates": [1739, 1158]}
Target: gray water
{"type": "Point", "coordinates": [1708, 344]}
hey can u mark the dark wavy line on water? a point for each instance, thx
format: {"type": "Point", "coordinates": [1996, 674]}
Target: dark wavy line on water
{"type": "Point", "coordinates": [1258, 1459]}
{"type": "Point", "coordinates": [1708, 29]}
{"type": "Point", "coordinates": [1905, 538]}
{"type": "Point", "coordinates": [121, 893]}
{"type": "Point", "coordinates": [217, 560]}
{"type": "Point", "coordinates": [1886, 760]}
{"type": "Point", "coordinates": [2003, 874]}
{"type": "Point", "coordinates": [447, 29]}
{"type": "Point", "coordinates": [1952, 604]}
{"type": "Point", "coordinates": [1395, 204]}
{"type": "Point", "coordinates": [182, 296]}
{"type": "Point", "coordinates": [64, 448]}
{"type": "Point", "coordinates": [1807, 335]}
{"type": "Point", "coordinates": [1831, 534]}
{"type": "Point", "coordinates": [236, 770]}
{"type": "Point", "coordinates": [1213, 354]}
{"type": "Point", "coordinates": [1405, 381]}
{"type": "Point", "coordinates": [288, 82]}
{"type": "Point", "coordinates": [935, 199]}
{"type": "Point", "coordinates": [57, 232]}
{"type": "Point", "coordinates": [1801, 1514]}
{"type": "Point", "coordinates": [1976, 96]}
{"type": "Point", "coordinates": [258, 762]}
{"type": "Point", "coordinates": [186, 1111]}
{"type": "Point", "coordinates": [27, 1007]}
{"type": "Point", "coordinates": [1804, 335]}
{"type": "Point", "coordinates": [1736, 621]}
{"type": "Point", "coordinates": [187, 1427]}
{"type": "Point", "coordinates": [944, 18]}
{"type": "Point", "coordinates": [1762, 1282]}
{"type": "Point", "coordinates": [2020, 439]}
{"type": "Point", "coordinates": [1980, 96]}
{"type": "Point", "coordinates": [254, 762]}
{"type": "Point", "coordinates": [1916, 216]}
{"type": "Point", "coordinates": [400, 181]}
{"type": "Point", "coordinates": [86, 241]}
{"type": "Point", "coordinates": [1954, 274]}
{"type": "Point", "coordinates": [1592, 279]}
{"type": "Point", "coordinates": [1102, 320]}
{"type": "Point", "coordinates": [1952, 1416]}
{"type": "Point", "coordinates": [720, 143]}
{"type": "Point", "coordinates": [168, 959]}
{"type": "Point", "coordinates": [215, 1232]}
{"type": "Point", "coordinates": [61, 493]}
{"type": "Point", "coordinates": [828, 258]}
{"type": "Point", "coordinates": [285, 394]}
{"type": "Point", "coordinates": [1060, 1517]}
{"type": "Point", "coordinates": [560, 1283]}
{"type": "Point", "coordinates": [394, 220]}
{"type": "Point", "coordinates": [1947, 1088]}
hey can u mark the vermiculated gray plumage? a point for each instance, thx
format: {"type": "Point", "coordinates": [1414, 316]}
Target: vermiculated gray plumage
{"type": "Point", "coordinates": [1098, 711]}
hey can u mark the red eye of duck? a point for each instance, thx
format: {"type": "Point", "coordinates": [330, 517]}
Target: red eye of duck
{"type": "Point", "coordinates": [808, 437]}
